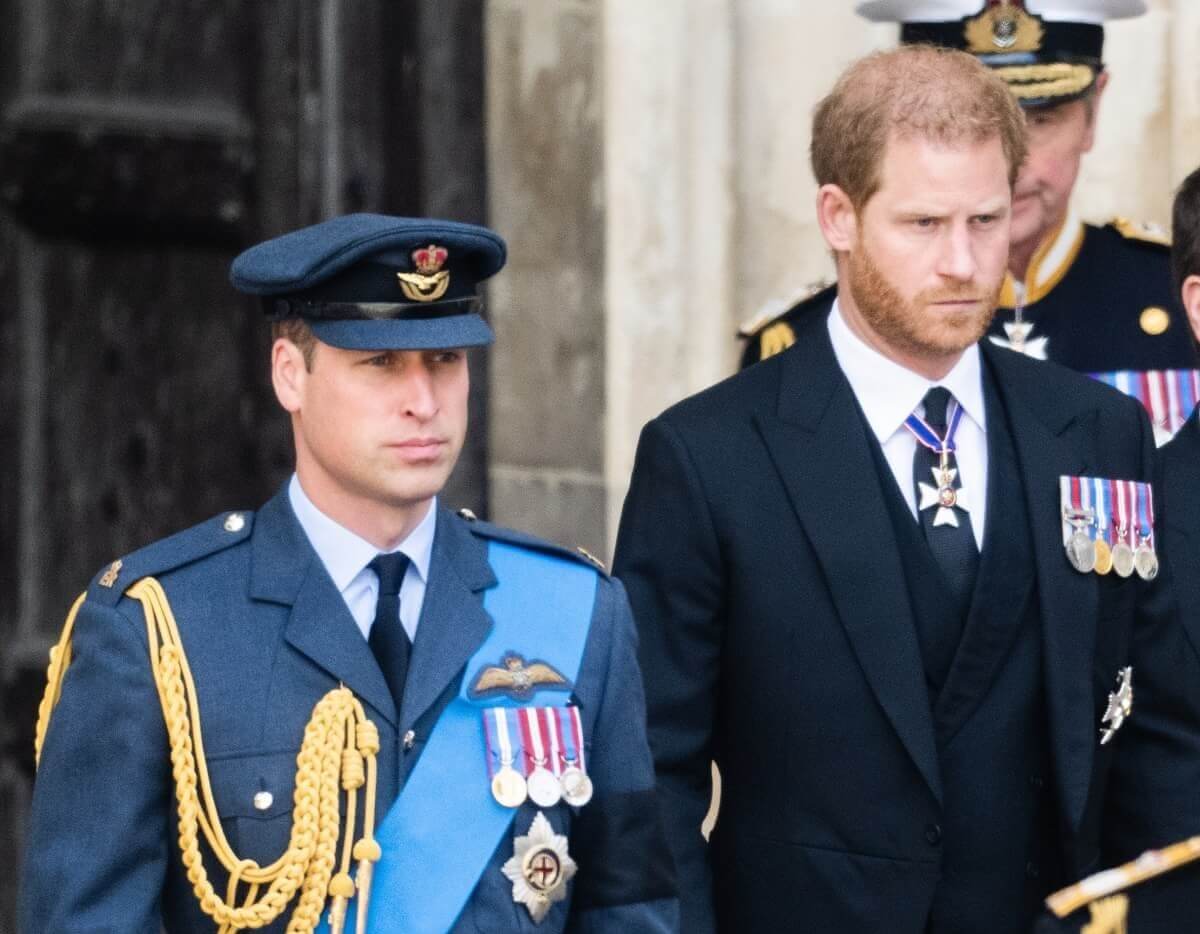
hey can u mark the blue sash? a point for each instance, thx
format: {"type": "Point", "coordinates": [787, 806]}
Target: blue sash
{"type": "Point", "coordinates": [440, 834]}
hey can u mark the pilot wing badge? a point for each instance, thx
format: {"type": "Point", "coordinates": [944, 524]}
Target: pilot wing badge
{"type": "Point", "coordinates": [517, 679]}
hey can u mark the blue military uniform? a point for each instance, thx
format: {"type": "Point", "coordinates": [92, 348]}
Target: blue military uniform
{"type": "Point", "coordinates": [267, 637]}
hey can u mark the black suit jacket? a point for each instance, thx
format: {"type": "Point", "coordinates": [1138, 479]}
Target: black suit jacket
{"type": "Point", "coordinates": [777, 639]}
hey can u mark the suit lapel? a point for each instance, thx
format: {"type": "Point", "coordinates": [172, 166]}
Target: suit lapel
{"type": "Point", "coordinates": [453, 622]}
{"type": "Point", "coordinates": [286, 570]}
{"type": "Point", "coordinates": [1053, 440]}
{"type": "Point", "coordinates": [818, 442]}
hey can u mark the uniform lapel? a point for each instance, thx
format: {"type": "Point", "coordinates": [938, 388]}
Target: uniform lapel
{"type": "Point", "coordinates": [453, 622]}
{"type": "Point", "coordinates": [818, 442]}
{"type": "Point", "coordinates": [1054, 439]}
{"type": "Point", "coordinates": [287, 571]}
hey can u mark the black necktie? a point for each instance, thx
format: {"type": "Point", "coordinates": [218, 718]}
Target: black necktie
{"type": "Point", "coordinates": [388, 640]}
{"type": "Point", "coordinates": [953, 547]}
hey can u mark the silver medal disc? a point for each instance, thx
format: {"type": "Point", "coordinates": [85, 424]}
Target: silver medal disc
{"type": "Point", "coordinates": [1081, 552]}
{"type": "Point", "coordinates": [1145, 562]}
{"type": "Point", "coordinates": [544, 789]}
{"type": "Point", "coordinates": [576, 786]}
{"type": "Point", "coordinates": [508, 787]}
{"type": "Point", "coordinates": [1122, 556]}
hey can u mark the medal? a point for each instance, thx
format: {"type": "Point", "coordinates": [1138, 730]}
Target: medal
{"type": "Point", "coordinates": [544, 790]}
{"type": "Point", "coordinates": [502, 734]}
{"type": "Point", "coordinates": [1078, 521]}
{"type": "Point", "coordinates": [508, 787]}
{"type": "Point", "coordinates": [1104, 559]}
{"type": "Point", "coordinates": [539, 868]}
{"type": "Point", "coordinates": [1081, 552]}
{"type": "Point", "coordinates": [576, 786]}
{"type": "Point", "coordinates": [1145, 562]}
{"type": "Point", "coordinates": [1122, 558]}
{"type": "Point", "coordinates": [943, 496]}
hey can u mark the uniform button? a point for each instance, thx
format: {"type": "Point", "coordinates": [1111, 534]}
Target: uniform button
{"type": "Point", "coordinates": [409, 738]}
{"type": "Point", "coordinates": [933, 834]}
{"type": "Point", "coordinates": [1031, 869]}
{"type": "Point", "coordinates": [263, 800]}
{"type": "Point", "coordinates": [235, 522]}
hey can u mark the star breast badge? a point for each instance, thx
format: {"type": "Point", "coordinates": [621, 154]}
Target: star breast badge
{"type": "Point", "coordinates": [539, 868]}
{"type": "Point", "coordinates": [1120, 706]}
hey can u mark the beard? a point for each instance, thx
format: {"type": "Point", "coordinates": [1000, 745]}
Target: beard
{"type": "Point", "coordinates": [911, 325]}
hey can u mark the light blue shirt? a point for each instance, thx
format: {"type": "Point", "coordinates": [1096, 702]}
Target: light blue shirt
{"type": "Point", "coordinates": [346, 556]}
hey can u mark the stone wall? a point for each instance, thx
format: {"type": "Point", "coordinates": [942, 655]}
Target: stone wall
{"type": "Point", "coordinates": [649, 165]}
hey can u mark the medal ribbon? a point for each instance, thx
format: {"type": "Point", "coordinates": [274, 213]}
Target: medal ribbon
{"type": "Point", "coordinates": [1168, 396]}
{"type": "Point", "coordinates": [547, 720]}
{"type": "Point", "coordinates": [1145, 508]}
{"type": "Point", "coordinates": [535, 749]}
{"type": "Point", "coordinates": [928, 437]}
{"type": "Point", "coordinates": [1125, 527]}
{"type": "Point", "coordinates": [1100, 495]}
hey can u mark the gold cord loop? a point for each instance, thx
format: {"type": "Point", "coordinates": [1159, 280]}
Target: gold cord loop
{"type": "Point", "coordinates": [337, 755]}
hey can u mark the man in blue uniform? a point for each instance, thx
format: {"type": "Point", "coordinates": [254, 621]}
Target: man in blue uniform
{"type": "Point", "coordinates": [353, 709]}
{"type": "Point", "coordinates": [1097, 299]}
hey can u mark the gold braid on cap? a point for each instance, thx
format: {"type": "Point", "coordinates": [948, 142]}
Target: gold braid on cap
{"type": "Point", "coordinates": [1058, 79]}
{"type": "Point", "coordinates": [337, 754]}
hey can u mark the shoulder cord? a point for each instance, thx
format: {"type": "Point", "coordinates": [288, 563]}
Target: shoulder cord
{"type": "Point", "coordinates": [339, 747]}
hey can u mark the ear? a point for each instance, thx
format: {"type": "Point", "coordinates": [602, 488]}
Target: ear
{"type": "Point", "coordinates": [289, 374]}
{"type": "Point", "coordinates": [837, 218]}
{"type": "Point", "coordinates": [1191, 302]}
{"type": "Point", "coordinates": [1094, 104]}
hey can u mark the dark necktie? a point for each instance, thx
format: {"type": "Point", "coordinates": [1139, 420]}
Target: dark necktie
{"type": "Point", "coordinates": [388, 640]}
{"type": "Point", "coordinates": [953, 547]}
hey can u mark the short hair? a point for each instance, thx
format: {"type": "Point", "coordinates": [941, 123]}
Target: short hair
{"type": "Point", "coordinates": [299, 333]}
{"type": "Point", "coordinates": [1185, 231]}
{"type": "Point", "coordinates": [912, 91]}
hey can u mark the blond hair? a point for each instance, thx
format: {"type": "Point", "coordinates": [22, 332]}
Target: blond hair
{"type": "Point", "coordinates": [912, 91]}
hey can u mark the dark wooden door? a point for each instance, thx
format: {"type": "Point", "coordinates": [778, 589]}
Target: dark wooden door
{"type": "Point", "coordinates": [143, 144]}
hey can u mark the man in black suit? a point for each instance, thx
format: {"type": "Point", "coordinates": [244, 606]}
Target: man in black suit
{"type": "Point", "coordinates": [903, 681]}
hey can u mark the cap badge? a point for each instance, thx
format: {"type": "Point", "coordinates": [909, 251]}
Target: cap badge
{"type": "Point", "coordinates": [430, 281]}
{"type": "Point", "coordinates": [1003, 26]}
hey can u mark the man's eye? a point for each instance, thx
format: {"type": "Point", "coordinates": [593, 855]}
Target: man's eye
{"type": "Point", "coordinates": [924, 222]}
{"type": "Point", "coordinates": [383, 359]}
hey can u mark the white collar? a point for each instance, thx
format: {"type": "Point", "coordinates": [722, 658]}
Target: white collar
{"type": "Point", "coordinates": [888, 393]}
{"type": "Point", "coordinates": [345, 554]}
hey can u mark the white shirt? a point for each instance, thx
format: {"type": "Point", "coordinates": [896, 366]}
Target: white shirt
{"type": "Point", "coordinates": [888, 394]}
{"type": "Point", "coordinates": [346, 557]}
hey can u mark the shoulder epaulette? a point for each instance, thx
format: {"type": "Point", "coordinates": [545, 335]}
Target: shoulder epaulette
{"type": "Point", "coordinates": [771, 313]}
{"type": "Point", "coordinates": [523, 539]}
{"type": "Point", "coordinates": [175, 551]}
{"type": "Point", "coordinates": [1143, 231]}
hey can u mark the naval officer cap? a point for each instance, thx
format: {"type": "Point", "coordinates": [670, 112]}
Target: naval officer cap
{"type": "Point", "coordinates": [373, 282]}
{"type": "Point", "coordinates": [1047, 51]}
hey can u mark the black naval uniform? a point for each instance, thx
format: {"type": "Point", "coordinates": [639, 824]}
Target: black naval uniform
{"type": "Point", "coordinates": [1108, 307]}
